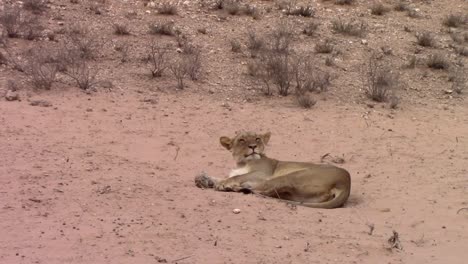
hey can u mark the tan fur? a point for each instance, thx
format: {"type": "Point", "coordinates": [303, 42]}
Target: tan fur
{"type": "Point", "coordinates": [308, 184]}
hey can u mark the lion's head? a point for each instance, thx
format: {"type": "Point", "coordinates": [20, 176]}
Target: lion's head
{"type": "Point", "coordinates": [246, 145]}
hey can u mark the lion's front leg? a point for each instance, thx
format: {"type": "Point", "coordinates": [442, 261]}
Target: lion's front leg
{"type": "Point", "coordinates": [242, 183]}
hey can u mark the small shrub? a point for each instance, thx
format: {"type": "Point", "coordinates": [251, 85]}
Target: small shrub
{"type": "Point", "coordinates": [41, 69]}
{"type": "Point", "coordinates": [380, 81]}
{"type": "Point", "coordinates": [232, 7]}
{"type": "Point", "coordinates": [35, 6]}
{"type": "Point", "coordinates": [10, 19]}
{"type": "Point", "coordinates": [167, 8]}
{"type": "Point", "coordinates": [378, 9]}
{"type": "Point", "coordinates": [401, 6]}
{"type": "Point", "coordinates": [394, 102]}
{"type": "Point", "coordinates": [193, 62]}
{"type": "Point", "coordinates": [351, 28]}
{"type": "Point", "coordinates": [463, 51]}
{"type": "Point", "coordinates": [31, 28]}
{"type": "Point", "coordinates": [305, 11]}
{"type": "Point", "coordinates": [157, 59]}
{"type": "Point", "coordinates": [179, 70]}
{"type": "Point", "coordinates": [454, 20]}
{"type": "Point", "coordinates": [324, 47]}
{"type": "Point", "coordinates": [413, 13]}
{"type": "Point", "coordinates": [82, 74]}
{"type": "Point", "coordinates": [438, 61]}
{"type": "Point", "coordinates": [311, 29]}
{"type": "Point", "coordinates": [425, 39]}
{"type": "Point", "coordinates": [305, 100]}
{"type": "Point", "coordinates": [235, 46]}
{"type": "Point", "coordinates": [124, 50]}
{"type": "Point", "coordinates": [121, 29]}
{"type": "Point", "coordinates": [252, 11]}
{"type": "Point", "coordinates": [344, 2]}
{"type": "Point", "coordinates": [88, 46]}
{"type": "Point", "coordinates": [412, 61]}
{"type": "Point", "coordinates": [459, 84]}
{"type": "Point", "coordinates": [255, 43]}
{"type": "Point", "coordinates": [166, 28]}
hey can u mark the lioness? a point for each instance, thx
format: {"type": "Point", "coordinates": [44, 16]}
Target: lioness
{"type": "Point", "coordinates": [301, 183]}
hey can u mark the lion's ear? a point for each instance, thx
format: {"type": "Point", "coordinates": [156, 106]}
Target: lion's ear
{"type": "Point", "coordinates": [226, 142]}
{"type": "Point", "coordinates": [266, 137]}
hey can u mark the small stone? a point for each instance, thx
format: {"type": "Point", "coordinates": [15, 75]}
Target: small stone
{"type": "Point", "coordinates": [236, 211]}
{"type": "Point", "coordinates": [11, 95]}
{"type": "Point", "coordinates": [363, 41]}
{"type": "Point", "coordinates": [448, 91]}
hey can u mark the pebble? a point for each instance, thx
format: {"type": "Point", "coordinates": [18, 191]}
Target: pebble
{"type": "Point", "coordinates": [236, 211]}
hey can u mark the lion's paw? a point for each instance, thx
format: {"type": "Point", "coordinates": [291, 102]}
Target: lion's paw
{"type": "Point", "coordinates": [204, 181]}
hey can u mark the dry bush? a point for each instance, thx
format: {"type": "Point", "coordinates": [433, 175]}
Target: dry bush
{"type": "Point", "coordinates": [463, 51]}
{"type": "Point", "coordinates": [252, 11]}
{"type": "Point", "coordinates": [35, 6]}
{"type": "Point", "coordinates": [88, 46]}
{"type": "Point", "coordinates": [255, 43]}
{"type": "Point", "coordinates": [401, 6]}
{"type": "Point", "coordinates": [10, 19]}
{"type": "Point", "coordinates": [166, 28]}
{"type": "Point", "coordinates": [305, 100]}
{"type": "Point", "coordinates": [167, 8]}
{"type": "Point", "coordinates": [157, 59]}
{"type": "Point", "coordinates": [193, 61]}
{"type": "Point", "coordinates": [394, 101]}
{"type": "Point", "coordinates": [438, 61]}
{"type": "Point", "coordinates": [179, 70]}
{"type": "Point", "coordinates": [454, 20]}
{"type": "Point", "coordinates": [41, 68]}
{"type": "Point", "coordinates": [379, 9]}
{"type": "Point", "coordinates": [82, 74]}
{"type": "Point", "coordinates": [305, 11]}
{"type": "Point", "coordinates": [412, 61]}
{"type": "Point", "coordinates": [235, 45]}
{"type": "Point", "coordinates": [459, 80]}
{"type": "Point", "coordinates": [380, 81]}
{"type": "Point", "coordinates": [31, 28]}
{"type": "Point", "coordinates": [124, 50]}
{"type": "Point", "coordinates": [232, 7]}
{"type": "Point", "coordinates": [459, 38]}
{"type": "Point", "coordinates": [311, 29]}
{"type": "Point", "coordinates": [425, 39]}
{"type": "Point", "coordinates": [350, 28]}
{"type": "Point", "coordinates": [121, 29]}
{"type": "Point", "coordinates": [344, 2]}
{"type": "Point", "coordinates": [324, 47]}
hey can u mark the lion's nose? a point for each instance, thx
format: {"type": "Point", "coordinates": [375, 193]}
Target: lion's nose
{"type": "Point", "coordinates": [253, 146]}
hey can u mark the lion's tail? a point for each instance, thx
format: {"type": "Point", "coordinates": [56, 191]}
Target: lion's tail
{"type": "Point", "coordinates": [340, 197]}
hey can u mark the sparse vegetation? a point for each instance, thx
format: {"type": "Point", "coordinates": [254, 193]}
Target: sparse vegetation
{"type": "Point", "coordinates": [380, 81]}
{"type": "Point", "coordinates": [459, 81]}
{"type": "Point", "coordinates": [167, 8]}
{"type": "Point", "coordinates": [157, 59]}
{"type": "Point", "coordinates": [463, 51]}
{"type": "Point", "coordinates": [454, 20]}
{"type": "Point", "coordinates": [324, 47]}
{"type": "Point", "coordinates": [344, 2]}
{"type": "Point", "coordinates": [305, 100]}
{"type": "Point", "coordinates": [179, 70]}
{"type": "Point", "coordinates": [166, 28]}
{"type": "Point", "coordinates": [425, 39]}
{"type": "Point", "coordinates": [35, 6]}
{"type": "Point", "coordinates": [41, 68]}
{"type": "Point", "coordinates": [305, 11]}
{"type": "Point", "coordinates": [438, 61]}
{"type": "Point", "coordinates": [255, 43]}
{"type": "Point", "coordinates": [10, 19]}
{"type": "Point", "coordinates": [121, 29]}
{"type": "Point", "coordinates": [311, 29]}
{"type": "Point", "coordinates": [379, 9]}
{"type": "Point", "coordinates": [235, 45]}
{"type": "Point", "coordinates": [351, 28]}
{"type": "Point", "coordinates": [401, 6]}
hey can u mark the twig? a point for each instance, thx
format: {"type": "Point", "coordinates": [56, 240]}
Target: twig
{"type": "Point", "coordinates": [179, 259]}
{"type": "Point", "coordinates": [461, 209]}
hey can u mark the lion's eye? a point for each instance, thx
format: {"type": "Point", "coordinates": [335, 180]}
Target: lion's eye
{"type": "Point", "coordinates": [257, 139]}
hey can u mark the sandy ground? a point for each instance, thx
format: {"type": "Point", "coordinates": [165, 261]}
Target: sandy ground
{"type": "Point", "coordinates": [107, 178]}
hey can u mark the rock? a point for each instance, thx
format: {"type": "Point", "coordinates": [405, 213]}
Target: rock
{"type": "Point", "coordinates": [448, 91]}
{"type": "Point", "coordinates": [363, 41]}
{"type": "Point", "coordinates": [11, 95]}
{"type": "Point", "coordinates": [42, 103]}
{"type": "Point", "coordinates": [236, 211]}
